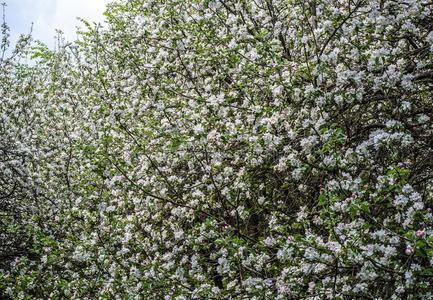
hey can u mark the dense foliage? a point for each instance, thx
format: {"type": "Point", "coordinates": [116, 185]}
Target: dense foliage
{"type": "Point", "coordinates": [219, 149]}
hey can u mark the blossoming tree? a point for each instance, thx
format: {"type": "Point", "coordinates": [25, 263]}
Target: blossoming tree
{"type": "Point", "coordinates": [218, 149]}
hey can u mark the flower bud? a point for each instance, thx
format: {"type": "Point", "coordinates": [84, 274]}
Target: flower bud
{"type": "Point", "coordinates": [409, 250]}
{"type": "Point", "coordinates": [420, 233]}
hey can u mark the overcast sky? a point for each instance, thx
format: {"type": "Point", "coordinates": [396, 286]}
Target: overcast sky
{"type": "Point", "coordinates": [48, 15]}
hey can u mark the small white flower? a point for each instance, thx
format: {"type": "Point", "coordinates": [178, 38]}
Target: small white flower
{"type": "Point", "coordinates": [198, 128]}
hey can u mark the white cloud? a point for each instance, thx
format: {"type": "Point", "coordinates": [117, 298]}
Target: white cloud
{"type": "Point", "coordinates": [49, 15]}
